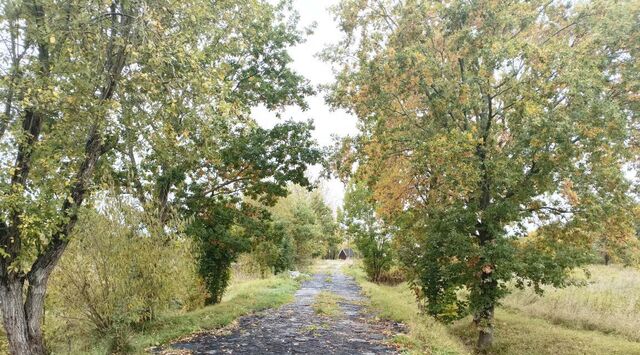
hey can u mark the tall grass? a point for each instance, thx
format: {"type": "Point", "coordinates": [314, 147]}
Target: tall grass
{"type": "Point", "coordinates": [610, 302]}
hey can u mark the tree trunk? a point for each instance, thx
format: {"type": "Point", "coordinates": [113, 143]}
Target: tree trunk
{"type": "Point", "coordinates": [484, 323]}
{"type": "Point", "coordinates": [483, 316]}
{"type": "Point", "coordinates": [23, 318]}
{"type": "Point", "coordinates": [23, 309]}
{"type": "Point", "coordinates": [22, 321]}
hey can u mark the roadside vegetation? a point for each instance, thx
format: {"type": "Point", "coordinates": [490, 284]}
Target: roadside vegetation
{"type": "Point", "coordinates": [520, 331]}
{"type": "Point", "coordinates": [243, 297]}
{"type": "Point", "coordinates": [398, 303]}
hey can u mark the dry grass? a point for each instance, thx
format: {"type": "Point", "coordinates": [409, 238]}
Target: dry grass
{"type": "Point", "coordinates": [524, 332]}
{"type": "Point", "coordinates": [328, 267]}
{"type": "Point", "coordinates": [517, 333]}
{"type": "Point", "coordinates": [3, 342]}
{"type": "Point", "coordinates": [609, 303]}
{"type": "Point", "coordinates": [326, 304]}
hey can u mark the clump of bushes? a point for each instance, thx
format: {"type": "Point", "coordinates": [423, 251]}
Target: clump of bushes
{"type": "Point", "coordinates": [120, 272]}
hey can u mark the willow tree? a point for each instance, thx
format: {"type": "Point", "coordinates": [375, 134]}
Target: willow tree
{"type": "Point", "coordinates": [482, 120]}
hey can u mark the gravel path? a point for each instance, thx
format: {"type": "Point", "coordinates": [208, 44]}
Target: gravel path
{"type": "Point", "coordinates": [296, 329]}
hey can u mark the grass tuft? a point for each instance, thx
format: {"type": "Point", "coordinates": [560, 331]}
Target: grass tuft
{"type": "Point", "coordinates": [326, 304]}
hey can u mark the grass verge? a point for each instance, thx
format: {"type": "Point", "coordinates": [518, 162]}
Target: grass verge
{"type": "Point", "coordinates": [241, 299]}
{"type": "Point", "coordinates": [517, 333]}
{"type": "Point", "coordinates": [397, 303]}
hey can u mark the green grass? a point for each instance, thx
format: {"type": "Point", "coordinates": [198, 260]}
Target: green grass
{"type": "Point", "coordinates": [517, 332]}
{"type": "Point", "coordinates": [397, 303]}
{"type": "Point", "coordinates": [326, 304]}
{"type": "Point", "coordinates": [241, 299]}
{"type": "Point", "coordinates": [610, 302]}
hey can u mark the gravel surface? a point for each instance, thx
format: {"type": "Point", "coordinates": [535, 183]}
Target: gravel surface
{"type": "Point", "coordinates": [296, 329]}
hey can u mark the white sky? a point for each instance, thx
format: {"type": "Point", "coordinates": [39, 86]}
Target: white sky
{"type": "Point", "coordinates": [327, 122]}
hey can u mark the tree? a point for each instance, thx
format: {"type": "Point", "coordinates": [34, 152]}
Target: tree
{"type": "Point", "coordinates": [307, 221]}
{"type": "Point", "coordinates": [328, 226]}
{"type": "Point", "coordinates": [64, 69]}
{"type": "Point", "coordinates": [197, 132]}
{"type": "Point", "coordinates": [370, 235]}
{"type": "Point", "coordinates": [619, 242]}
{"type": "Point", "coordinates": [148, 91]}
{"type": "Point", "coordinates": [262, 163]}
{"type": "Point", "coordinates": [481, 120]}
{"type": "Point", "coordinates": [195, 148]}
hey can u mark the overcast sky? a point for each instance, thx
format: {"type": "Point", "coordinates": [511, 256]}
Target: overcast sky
{"type": "Point", "coordinates": [327, 122]}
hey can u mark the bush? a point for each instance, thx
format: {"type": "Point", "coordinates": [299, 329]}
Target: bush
{"type": "Point", "coordinates": [118, 274]}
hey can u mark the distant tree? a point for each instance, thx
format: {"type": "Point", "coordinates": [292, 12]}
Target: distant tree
{"type": "Point", "coordinates": [481, 119]}
{"type": "Point", "coordinates": [619, 241]}
{"type": "Point", "coordinates": [367, 230]}
{"type": "Point", "coordinates": [308, 221]}
{"type": "Point", "coordinates": [328, 226]}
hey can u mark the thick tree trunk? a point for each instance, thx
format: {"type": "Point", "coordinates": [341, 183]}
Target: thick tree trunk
{"type": "Point", "coordinates": [22, 322]}
{"type": "Point", "coordinates": [23, 317]}
{"type": "Point", "coordinates": [15, 323]}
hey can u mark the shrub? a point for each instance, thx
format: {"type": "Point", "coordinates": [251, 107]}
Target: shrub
{"type": "Point", "coordinates": [120, 272]}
